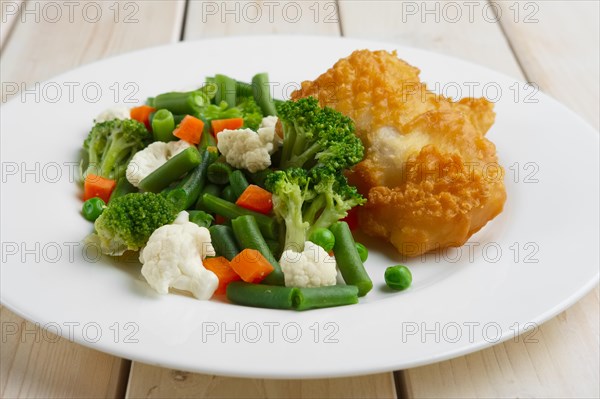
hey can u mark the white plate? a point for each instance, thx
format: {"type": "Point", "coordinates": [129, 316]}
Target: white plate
{"type": "Point", "coordinates": [534, 260]}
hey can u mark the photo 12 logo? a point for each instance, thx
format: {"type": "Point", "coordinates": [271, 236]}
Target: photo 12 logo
{"type": "Point", "coordinates": [53, 92]}
{"type": "Point", "coordinates": [469, 331]}
{"type": "Point", "coordinates": [269, 11]}
{"type": "Point", "coordinates": [88, 331]}
{"type": "Point", "coordinates": [270, 332]}
{"type": "Point", "coordinates": [470, 11]}
{"type": "Point", "coordinates": [71, 11]}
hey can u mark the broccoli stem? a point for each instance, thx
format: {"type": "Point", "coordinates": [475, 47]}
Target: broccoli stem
{"type": "Point", "coordinates": [115, 155]}
{"type": "Point", "coordinates": [295, 227]}
{"type": "Point", "coordinates": [313, 210]}
{"type": "Point", "coordinates": [289, 138]}
{"type": "Point", "coordinates": [297, 161]}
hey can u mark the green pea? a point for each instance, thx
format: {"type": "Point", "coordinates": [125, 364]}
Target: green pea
{"type": "Point", "coordinates": [93, 208]}
{"type": "Point", "coordinates": [398, 277]}
{"type": "Point", "coordinates": [324, 238]}
{"type": "Point", "coordinates": [362, 251]}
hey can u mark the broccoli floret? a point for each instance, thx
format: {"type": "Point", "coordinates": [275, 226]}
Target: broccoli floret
{"type": "Point", "coordinates": [317, 137]}
{"type": "Point", "coordinates": [110, 146]}
{"type": "Point", "coordinates": [128, 221]}
{"type": "Point", "coordinates": [334, 198]}
{"type": "Point", "coordinates": [308, 200]}
{"type": "Point", "coordinates": [246, 109]}
{"type": "Point", "coordinates": [221, 111]}
{"type": "Point", "coordinates": [250, 112]}
{"type": "Point", "coordinates": [290, 190]}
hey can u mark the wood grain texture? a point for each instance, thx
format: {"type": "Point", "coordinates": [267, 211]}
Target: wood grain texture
{"type": "Point", "coordinates": [153, 382]}
{"type": "Point", "coordinates": [42, 46]}
{"type": "Point", "coordinates": [35, 363]}
{"type": "Point", "coordinates": [217, 18]}
{"type": "Point", "coordinates": [564, 362]}
{"type": "Point", "coordinates": [557, 45]}
{"type": "Point", "coordinates": [453, 29]}
{"type": "Point", "coordinates": [558, 360]}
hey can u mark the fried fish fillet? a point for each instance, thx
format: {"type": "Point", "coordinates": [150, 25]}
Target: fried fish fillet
{"type": "Point", "coordinates": [430, 176]}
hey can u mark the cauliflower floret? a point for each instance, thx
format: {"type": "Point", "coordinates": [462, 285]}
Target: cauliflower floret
{"type": "Point", "coordinates": [151, 158]}
{"type": "Point", "coordinates": [311, 268]}
{"type": "Point", "coordinates": [173, 258]}
{"type": "Point", "coordinates": [244, 148]}
{"type": "Point", "coordinates": [268, 133]}
{"type": "Point", "coordinates": [113, 113]}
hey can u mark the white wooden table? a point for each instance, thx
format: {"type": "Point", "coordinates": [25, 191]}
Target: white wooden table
{"type": "Point", "coordinates": [552, 43]}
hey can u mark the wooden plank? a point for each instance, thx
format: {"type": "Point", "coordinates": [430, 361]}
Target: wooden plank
{"type": "Point", "coordinates": [43, 46]}
{"type": "Point", "coordinates": [563, 362]}
{"type": "Point", "coordinates": [207, 19]}
{"type": "Point", "coordinates": [559, 359]}
{"type": "Point", "coordinates": [564, 62]}
{"type": "Point", "coordinates": [459, 29]}
{"type": "Point", "coordinates": [153, 382]}
{"type": "Point", "coordinates": [217, 18]}
{"type": "Point", "coordinates": [36, 363]}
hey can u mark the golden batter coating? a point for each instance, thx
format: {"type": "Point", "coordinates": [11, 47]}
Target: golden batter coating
{"type": "Point", "coordinates": [430, 176]}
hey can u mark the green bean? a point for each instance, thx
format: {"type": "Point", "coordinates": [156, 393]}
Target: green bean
{"type": "Point", "coordinates": [238, 183]}
{"type": "Point", "coordinates": [274, 247]}
{"type": "Point", "coordinates": [248, 234]}
{"type": "Point", "coordinates": [259, 177]}
{"type": "Point", "coordinates": [262, 296]}
{"type": "Point", "coordinates": [348, 259]}
{"type": "Point", "coordinates": [176, 119]}
{"type": "Point", "coordinates": [122, 188]}
{"type": "Point", "coordinates": [207, 139]}
{"type": "Point", "coordinates": [163, 125]}
{"type": "Point", "coordinates": [93, 208]}
{"type": "Point", "coordinates": [210, 188]}
{"type": "Point", "coordinates": [243, 89]}
{"type": "Point", "coordinates": [227, 194]}
{"type": "Point", "coordinates": [171, 170]}
{"type": "Point", "coordinates": [267, 225]}
{"type": "Point", "coordinates": [213, 189]}
{"type": "Point", "coordinates": [201, 218]}
{"type": "Point", "coordinates": [186, 193]}
{"type": "Point", "coordinates": [262, 93]}
{"type": "Point", "coordinates": [223, 241]}
{"type": "Point", "coordinates": [325, 297]}
{"type": "Point", "coordinates": [188, 103]}
{"type": "Point", "coordinates": [226, 88]}
{"type": "Point", "coordinates": [219, 172]}
{"type": "Point", "coordinates": [209, 88]}
{"type": "Point", "coordinates": [278, 297]}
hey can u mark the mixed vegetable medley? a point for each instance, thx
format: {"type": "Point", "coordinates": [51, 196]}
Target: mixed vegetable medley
{"type": "Point", "coordinates": [224, 190]}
